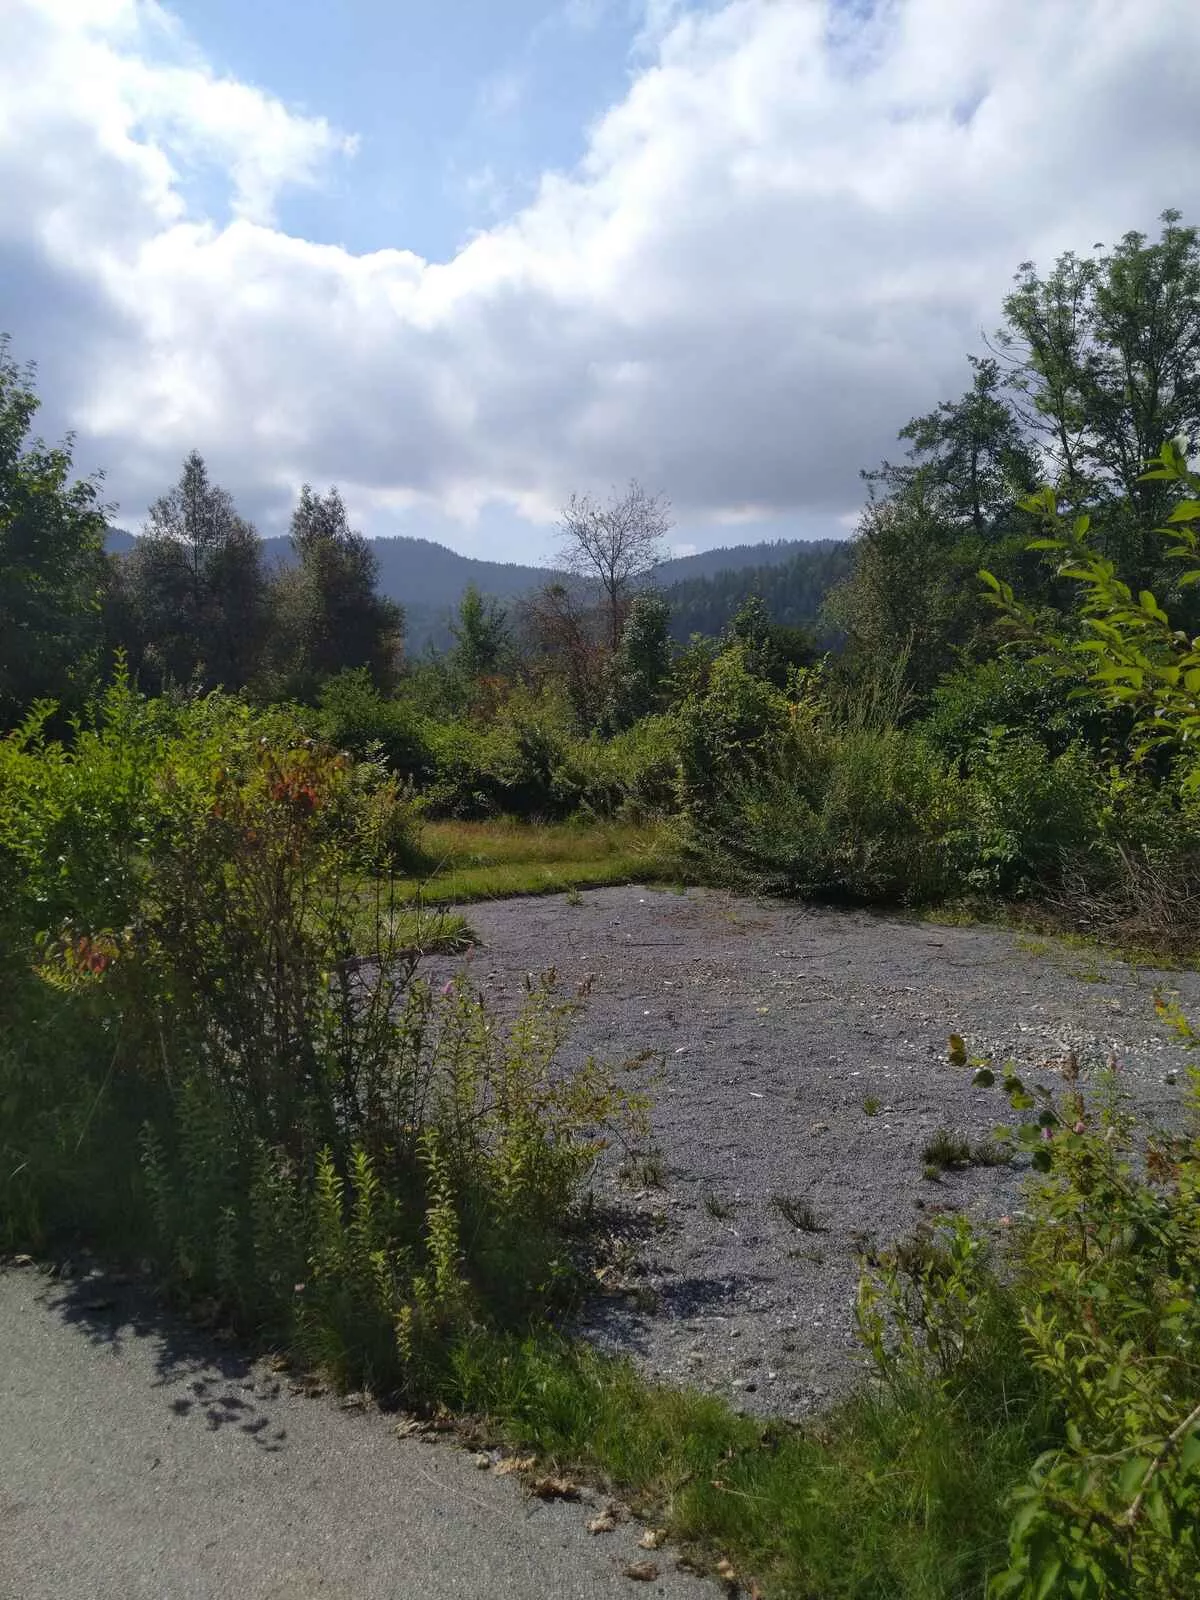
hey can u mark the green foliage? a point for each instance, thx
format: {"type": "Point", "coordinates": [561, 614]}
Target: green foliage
{"type": "Point", "coordinates": [1104, 1274]}
{"type": "Point", "coordinates": [789, 797]}
{"type": "Point", "coordinates": [1030, 813]}
{"type": "Point", "coordinates": [330, 1153]}
{"type": "Point", "coordinates": [1009, 694]}
{"type": "Point", "coordinates": [481, 639]}
{"type": "Point", "coordinates": [51, 559]}
{"type": "Point", "coordinates": [354, 715]}
{"type": "Point", "coordinates": [1131, 655]}
{"type": "Point", "coordinates": [1108, 362]}
{"type": "Point", "coordinates": [641, 664]}
{"type": "Point", "coordinates": [190, 602]}
{"type": "Point", "coordinates": [631, 775]}
{"type": "Point", "coordinates": [332, 616]}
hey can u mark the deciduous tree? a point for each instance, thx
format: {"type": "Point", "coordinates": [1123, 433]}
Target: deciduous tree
{"type": "Point", "coordinates": [51, 557]}
{"type": "Point", "coordinates": [616, 543]}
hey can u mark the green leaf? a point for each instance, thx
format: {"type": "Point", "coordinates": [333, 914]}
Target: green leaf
{"type": "Point", "coordinates": [984, 1078]}
{"type": "Point", "coordinates": [1047, 1578]}
{"type": "Point", "coordinates": [1041, 1159]}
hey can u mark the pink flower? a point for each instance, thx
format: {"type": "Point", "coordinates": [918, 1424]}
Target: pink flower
{"type": "Point", "coordinates": [447, 989]}
{"type": "Point", "coordinates": [1080, 1127]}
{"type": "Point", "coordinates": [1047, 1134]}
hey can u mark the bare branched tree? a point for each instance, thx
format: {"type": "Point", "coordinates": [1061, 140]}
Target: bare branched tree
{"type": "Point", "coordinates": [616, 543]}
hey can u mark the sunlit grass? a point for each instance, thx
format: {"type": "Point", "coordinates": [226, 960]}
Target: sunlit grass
{"type": "Point", "coordinates": [489, 860]}
{"type": "Point", "coordinates": [892, 1496]}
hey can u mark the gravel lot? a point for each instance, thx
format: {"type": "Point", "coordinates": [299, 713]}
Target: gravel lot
{"type": "Point", "coordinates": [769, 1025]}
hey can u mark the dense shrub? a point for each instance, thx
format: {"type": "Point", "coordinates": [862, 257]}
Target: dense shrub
{"type": "Point", "coordinates": [1030, 813]}
{"type": "Point", "coordinates": [1098, 1283]}
{"type": "Point", "coordinates": [631, 775]}
{"type": "Point", "coordinates": [859, 814]}
{"type": "Point", "coordinates": [353, 715]}
{"type": "Point", "coordinates": [331, 1152]}
{"type": "Point", "coordinates": [974, 705]}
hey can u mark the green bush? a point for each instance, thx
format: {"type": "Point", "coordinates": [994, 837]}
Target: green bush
{"type": "Point", "coordinates": [1031, 813]}
{"type": "Point", "coordinates": [632, 775]}
{"type": "Point", "coordinates": [858, 814]}
{"type": "Point", "coordinates": [974, 706]}
{"type": "Point", "coordinates": [318, 1149]}
{"type": "Point", "coordinates": [1098, 1288]}
{"type": "Point", "coordinates": [354, 716]}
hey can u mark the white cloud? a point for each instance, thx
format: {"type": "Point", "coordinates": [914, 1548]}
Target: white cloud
{"type": "Point", "coordinates": [778, 247]}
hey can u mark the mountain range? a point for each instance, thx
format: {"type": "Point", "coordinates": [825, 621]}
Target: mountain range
{"type": "Point", "coordinates": [704, 590]}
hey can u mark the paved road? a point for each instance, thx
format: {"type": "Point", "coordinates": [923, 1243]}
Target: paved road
{"type": "Point", "coordinates": [140, 1462]}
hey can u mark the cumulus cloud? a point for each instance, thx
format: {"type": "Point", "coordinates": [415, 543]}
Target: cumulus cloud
{"type": "Point", "coordinates": [777, 248]}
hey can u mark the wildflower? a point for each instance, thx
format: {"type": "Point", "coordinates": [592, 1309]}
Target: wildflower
{"type": "Point", "coordinates": [1047, 1134]}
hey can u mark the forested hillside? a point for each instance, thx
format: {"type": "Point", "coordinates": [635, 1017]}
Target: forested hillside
{"type": "Point", "coordinates": [793, 587]}
{"type": "Point", "coordinates": [703, 591]}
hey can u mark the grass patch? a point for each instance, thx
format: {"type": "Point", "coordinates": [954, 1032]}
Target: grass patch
{"type": "Point", "coordinates": [947, 1151]}
{"type": "Point", "coordinates": [492, 860]}
{"type": "Point", "coordinates": [895, 1494]}
{"type": "Point", "coordinates": [797, 1213]}
{"type": "Point", "coordinates": [643, 1170]}
{"type": "Point", "coordinates": [384, 920]}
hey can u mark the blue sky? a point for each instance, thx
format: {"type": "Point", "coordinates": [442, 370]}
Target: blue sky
{"type": "Point", "coordinates": [466, 259]}
{"type": "Point", "coordinates": [458, 107]}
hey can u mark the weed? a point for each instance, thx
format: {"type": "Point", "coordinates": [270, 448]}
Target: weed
{"type": "Point", "coordinates": [643, 1170]}
{"type": "Point", "coordinates": [947, 1152]}
{"type": "Point", "coordinates": [718, 1207]}
{"type": "Point", "coordinates": [797, 1212]}
{"type": "Point", "coordinates": [871, 1104]}
{"type": "Point", "coordinates": [1089, 974]}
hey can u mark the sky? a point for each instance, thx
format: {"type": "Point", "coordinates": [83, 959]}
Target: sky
{"type": "Point", "coordinates": [465, 260]}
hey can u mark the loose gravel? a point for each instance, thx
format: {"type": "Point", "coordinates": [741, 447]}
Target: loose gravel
{"type": "Point", "coordinates": [798, 1061]}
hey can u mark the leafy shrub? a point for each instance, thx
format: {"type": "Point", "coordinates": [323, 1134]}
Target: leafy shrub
{"type": "Point", "coordinates": [1090, 1328]}
{"type": "Point", "coordinates": [852, 814]}
{"type": "Point", "coordinates": [977, 705]}
{"type": "Point", "coordinates": [329, 1151]}
{"type": "Point", "coordinates": [354, 716]}
{"type": "Point", "coordinates": [632, 775]}
{"type": "Point", "coordinates": [1031, 811]}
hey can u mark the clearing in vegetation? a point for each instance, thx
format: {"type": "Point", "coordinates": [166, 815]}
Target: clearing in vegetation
{"type": "Point", "coordinates": [491, 860]}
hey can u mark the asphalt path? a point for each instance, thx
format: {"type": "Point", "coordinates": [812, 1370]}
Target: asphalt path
{"type": "Point", "coordinates": [141, 1461]}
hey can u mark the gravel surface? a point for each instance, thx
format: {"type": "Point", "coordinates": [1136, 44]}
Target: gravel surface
{"type": "Point", "coordinates": [768, 1025]}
